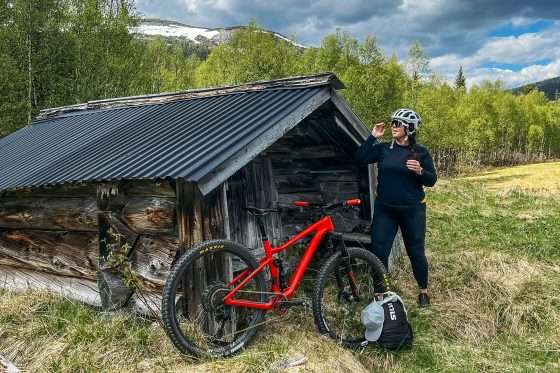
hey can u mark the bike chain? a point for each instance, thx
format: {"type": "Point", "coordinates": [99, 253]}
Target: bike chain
{"type": "Point", "coordinates": [278, 317]}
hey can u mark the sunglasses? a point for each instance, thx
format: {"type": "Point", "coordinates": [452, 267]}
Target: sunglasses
{"type": "Point", "coordinates": [398, 124]}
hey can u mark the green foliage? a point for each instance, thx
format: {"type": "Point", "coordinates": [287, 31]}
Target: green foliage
{"type": "Point", "coordinates": [60, 52]}
{"type": "Point", "coordinates": [117, 259]}
{"type": "Point", "coordinates": [251, 54]}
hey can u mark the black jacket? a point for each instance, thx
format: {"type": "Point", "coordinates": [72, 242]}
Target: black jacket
{"type": "Point", "coordinates": [396, 184]}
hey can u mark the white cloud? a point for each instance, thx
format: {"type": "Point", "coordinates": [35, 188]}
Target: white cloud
{"type": "Point", "coordinates": [525, 49]}
{"type": "Point", "coordinates": [455, 32]}
{"type": "Point", "coordinates": [512, 79]}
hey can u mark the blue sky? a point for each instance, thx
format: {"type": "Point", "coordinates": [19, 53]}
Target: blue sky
{"type": "Point", "coordinates": [515, 41]}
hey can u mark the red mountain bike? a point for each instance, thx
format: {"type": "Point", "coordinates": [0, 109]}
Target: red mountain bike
{"type": "Point", "coordinates": [234, 297]}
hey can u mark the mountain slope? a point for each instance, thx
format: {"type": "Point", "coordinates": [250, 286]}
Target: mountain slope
{"type": "Point", "coordinates": [550, 87]}
{"type": "Point", "coordinates": [153, 28]}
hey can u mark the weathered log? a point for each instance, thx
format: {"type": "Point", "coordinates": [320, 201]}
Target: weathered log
{"type": "Point", "coordinates": [150, 214]}
{"type": "Point", "coordinates": [157, 188]}
{"type": "Point", "coordinates": [287, 151]}
{"type": "Point", "coordinates": [20, 279]}
{"type": "Point", "coordinates": [76, 254]}
{"type": "Point", "coordinates": [78, 189]}
{"type": "Point", "coordinates": [66, 253]}
{"type": "Point", "coordinates": [78, 289]}
{"type": "Point", "coordinates": [6, 366]}
{"type": "Point", "coordinates": [72, 213]}
{"type": "Point", "coordinates": [153, 257]}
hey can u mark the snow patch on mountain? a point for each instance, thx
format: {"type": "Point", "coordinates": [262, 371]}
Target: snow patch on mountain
{"type": "Point", "coordinates": [172, 29]}
{"type": "Point", "coordinates": [175, 31]}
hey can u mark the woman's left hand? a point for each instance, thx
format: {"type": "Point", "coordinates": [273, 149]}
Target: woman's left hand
{"type": "Point", "coordinates": [414, 166]}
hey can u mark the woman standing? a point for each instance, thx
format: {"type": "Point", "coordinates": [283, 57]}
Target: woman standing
{"type": "Point", "coordinates": [404, 167]}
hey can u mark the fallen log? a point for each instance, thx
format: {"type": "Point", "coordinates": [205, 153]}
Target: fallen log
{"type": "Point", "coordinates": [82, 290]}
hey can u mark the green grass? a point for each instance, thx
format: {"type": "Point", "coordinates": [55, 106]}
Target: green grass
{"type": "Point", "coordinates": [494, 252]}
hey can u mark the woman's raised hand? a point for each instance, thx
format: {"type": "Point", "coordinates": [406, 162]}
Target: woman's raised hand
{"type": "Point", "coordinates": [378, 130]}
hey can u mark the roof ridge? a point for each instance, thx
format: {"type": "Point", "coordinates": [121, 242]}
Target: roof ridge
{"type": "Point", "coordinates": [301, 81]}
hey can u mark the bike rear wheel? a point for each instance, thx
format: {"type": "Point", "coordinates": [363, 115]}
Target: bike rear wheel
{"type": "Point", "coordinates": [194, 315]}
{"type": "Point", "coordinates": [337, 312]}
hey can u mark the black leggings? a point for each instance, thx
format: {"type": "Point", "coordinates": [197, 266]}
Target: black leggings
{"type": "Point", "coordinates": [412, 221]}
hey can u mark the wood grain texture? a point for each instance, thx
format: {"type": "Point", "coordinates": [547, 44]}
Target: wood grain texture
{"type": "Point", "coordinates": [67, 253]}
{"type": "Point", "coordinates": [68, 213]}
{"type": "Point", "coordinates": [149, 214]}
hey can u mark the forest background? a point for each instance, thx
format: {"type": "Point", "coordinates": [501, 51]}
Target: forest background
{"type": "Point", "coordinates": [63, 52]}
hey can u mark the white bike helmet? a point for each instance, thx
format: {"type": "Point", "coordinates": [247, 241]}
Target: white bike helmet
{"type": "Point", "coordinates": [409, 118]}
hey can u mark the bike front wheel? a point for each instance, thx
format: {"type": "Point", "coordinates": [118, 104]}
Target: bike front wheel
{"type": "Point", "coordinates": [344, 287]}
{"type": "Point", "coordinates": [193, 311]}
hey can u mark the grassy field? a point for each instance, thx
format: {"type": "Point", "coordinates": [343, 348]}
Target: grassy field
{"type": "Point", "coordinates": [494, 251]}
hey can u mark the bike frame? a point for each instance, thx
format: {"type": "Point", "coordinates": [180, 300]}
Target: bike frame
{"type": "Point", "coordinates": [320, 228]}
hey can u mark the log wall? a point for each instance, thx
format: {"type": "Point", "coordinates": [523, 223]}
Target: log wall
{"type": "Point", "coordinates": [54, 231]}
{"type": "Point", "coordinates": [62, 233]}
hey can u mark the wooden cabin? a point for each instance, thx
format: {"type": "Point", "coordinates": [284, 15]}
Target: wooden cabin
{"type": "Point", "coordinates": [162, 172]}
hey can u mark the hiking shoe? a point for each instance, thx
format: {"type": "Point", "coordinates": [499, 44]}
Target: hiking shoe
{"type": "Point", "coordinates": [423, 300]}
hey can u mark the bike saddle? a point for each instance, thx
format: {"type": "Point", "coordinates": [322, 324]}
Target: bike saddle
{"type": "Point", "coordinates": [259, 211]}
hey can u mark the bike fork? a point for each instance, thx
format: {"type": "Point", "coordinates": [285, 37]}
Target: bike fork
{"type": "Point", "coordinates": [348, 269]}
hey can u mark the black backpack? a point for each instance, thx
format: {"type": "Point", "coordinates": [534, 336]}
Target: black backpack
{"type": "Point", "coordinates": [397, 331]}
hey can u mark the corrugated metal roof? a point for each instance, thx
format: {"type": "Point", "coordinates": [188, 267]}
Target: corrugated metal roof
{"type": "Point", "coordinates": [186, 138]}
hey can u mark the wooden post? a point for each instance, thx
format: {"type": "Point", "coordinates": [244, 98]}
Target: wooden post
{"type": "Point", "coordinates": [189, 224]}
{"type": "Point", "coordinates": [112, 290]}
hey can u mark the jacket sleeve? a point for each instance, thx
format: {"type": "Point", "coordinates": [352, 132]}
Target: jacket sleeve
{"type": "Point", "coordinates": [369, 151]}
{"type": "Point", "coordinates": [429, 175]}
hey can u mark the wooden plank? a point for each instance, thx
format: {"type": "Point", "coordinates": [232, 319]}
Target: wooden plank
{"type": "Point", "coordinates": [189, 229]}
{"type": "Point", "coordinates": [342, 126]}
{"type": "Point", "coordinates": [65, 190]}
{"type": "Point", "coordinates": [287, 151]}
{"type": "Point", "coordinates": [227, 228]}
{"type": "Point", "coordinates": [61, 252]}
{"type": "Point", "coordinates": [355, 123]}
{"type": "Point", "coordinates": [151, 187]}
{"type": "Point", "coordinates": [71, 213]}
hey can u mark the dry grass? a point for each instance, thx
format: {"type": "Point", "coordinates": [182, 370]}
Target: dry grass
{"type": "Point", "coordinates": [494, 257]}
{"type": "Point", "coordinates": [540, 179]}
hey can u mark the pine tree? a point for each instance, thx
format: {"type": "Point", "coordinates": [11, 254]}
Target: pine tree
{"type": "Point", "coordinates": [460, 81]}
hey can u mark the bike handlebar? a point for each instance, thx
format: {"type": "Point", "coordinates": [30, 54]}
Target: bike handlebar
{"type": "Point", "coordinates": [328, 206]}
